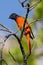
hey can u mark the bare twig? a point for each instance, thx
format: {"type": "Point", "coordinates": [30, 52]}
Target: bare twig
{"type": "Point", "coordinates": [36, 20]}
{"type": "Point", "coordinates": [24, 3]}
{"type": "Point", "coordinates": [7, 30]}
{"type": "Point", "coordinates": [34, 5]}
{"type": "Point", "coordinates": [31, 6]}
{"type": "Point", "coordinates": [24, 24]}
{"type": "Point", "coordinates": [3, 26]}
{"type": "Point", "coordinates": [21, 47]}
{"type": "Point", "coordinates": [12, 56]}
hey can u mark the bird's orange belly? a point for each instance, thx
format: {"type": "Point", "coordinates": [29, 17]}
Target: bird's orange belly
{"type": "Point", "coordinates": [20, 23]}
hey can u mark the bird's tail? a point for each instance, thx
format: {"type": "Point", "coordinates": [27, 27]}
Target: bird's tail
{"type": "Point", "coordinates": [29, 44]}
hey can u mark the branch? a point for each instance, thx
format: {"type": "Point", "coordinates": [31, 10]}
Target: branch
{"type": "Point", "coordinates": [9, 31]}
{"type": "Point", "coordinates": [21, 47]}
{"type": "Point", "coordinates": [24, 24]}
{"type": "Point", "coordinates": [34, 5]}
{"type": "Point", "coordinates": [12, 56]}
{"type": "Point", "coordinates": [3, 26]}
{"type": "Point", "coordinates": [19, 42]}
{"type": "Point", "coordinates": [6, 29]}
{"type": "Point", "coordinates": [36, 20]}
{"type": "Point", "coordinates": [30, 7]}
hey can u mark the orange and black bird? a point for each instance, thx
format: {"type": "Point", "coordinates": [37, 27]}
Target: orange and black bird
{"type": "Point", "coordinates": [28, 31]}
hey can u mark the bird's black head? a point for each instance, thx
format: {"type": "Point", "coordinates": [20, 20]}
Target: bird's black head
{"type": "Point", "coordinates": [13, 16]}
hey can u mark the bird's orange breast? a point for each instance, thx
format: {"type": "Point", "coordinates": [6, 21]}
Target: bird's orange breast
{"type": "Point", "coordinates": [20, 23]}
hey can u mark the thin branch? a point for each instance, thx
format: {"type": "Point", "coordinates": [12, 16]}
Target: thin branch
{"type": "Point", "coordinates": [34, 5]}
{"type": "Point", "coordinates": [9, 31]}
{"type": "Point", "coordinates": [24, 4]}
{"type": "Point", "coordinates": [21, 47]}
{"type": "Point", "coordinates": [6, 28]}
{"type": "Point", "coordinates": [12, 57]}
{"type": "Point", "coordinates": [36, 21]}
{"type": "Point", "coordinates": [24, 24]}
{"type": "Point", "coordinates": [3, 26]}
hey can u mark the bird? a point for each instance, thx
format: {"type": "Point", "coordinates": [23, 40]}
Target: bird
{"type": "Point", "coordinates": [27, 29]}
